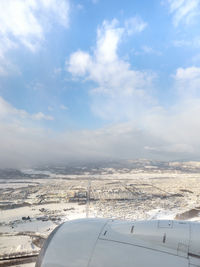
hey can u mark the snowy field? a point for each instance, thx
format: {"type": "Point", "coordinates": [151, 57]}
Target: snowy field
{"type": "Point", "coordinates": [31, 208]}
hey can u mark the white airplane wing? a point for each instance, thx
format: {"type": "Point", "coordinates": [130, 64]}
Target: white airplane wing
{"type": "Point", "coordinates": [113, 243]}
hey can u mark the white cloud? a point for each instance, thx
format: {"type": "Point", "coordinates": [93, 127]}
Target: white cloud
{"type": "Point", "coordinates": [79, 63]}
{"type": "Point", "coordinates": [24, 23]}
{"type": "Point", "coordinates": [178, 125]}
{"type": "Point", "coordinates": [194, 43]}
{"type": "Point", "coordinates": [7, 110]}
{"type": "Point", "coordinates": [180, 43]}
{"type": "Point", "coordinates": [135, 25]}
{"type": "Point", "coordinates": [108, 38]}
{"type": "Point", "coordinates": [11, 114]}
{"type": "Point", "coordinates": [117, 83]}
{"type": "Point", "coordinates": [184, 11]}
{"type": "Point", "coordinates": [187, 82]}
{"type": "Point", "coordinates": [6, 66]}
{"type": "Point", "coordinates": [42, 116]}
{"type": "Point", "coordinates": [17, 18]}
{"type": "Point", "coordinates": [145, 49]}
{"type": "Point", "coordinates": [59, 9]}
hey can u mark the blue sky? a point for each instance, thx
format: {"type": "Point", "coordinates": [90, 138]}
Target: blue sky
{"type": "Point", "coordinates": [99, 79]}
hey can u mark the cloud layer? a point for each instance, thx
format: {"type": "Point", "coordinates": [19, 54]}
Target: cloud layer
{"type": "Point", "coordinates": [184, 11]}
{"type": "Point", "coordinates": [159, 133]}
{"type": "Point", "coordinates": [122, 96]}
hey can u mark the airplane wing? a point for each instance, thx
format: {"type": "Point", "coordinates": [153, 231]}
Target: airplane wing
{"type": "Point", "coordinates": [115, 243]}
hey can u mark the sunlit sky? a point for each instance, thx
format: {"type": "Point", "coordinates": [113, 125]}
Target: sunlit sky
{"type": "Point", "coordinates": [97, 79]}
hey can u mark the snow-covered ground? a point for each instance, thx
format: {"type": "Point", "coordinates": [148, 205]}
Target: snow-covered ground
{"type": "Point", "coordinates": [31, 208]}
